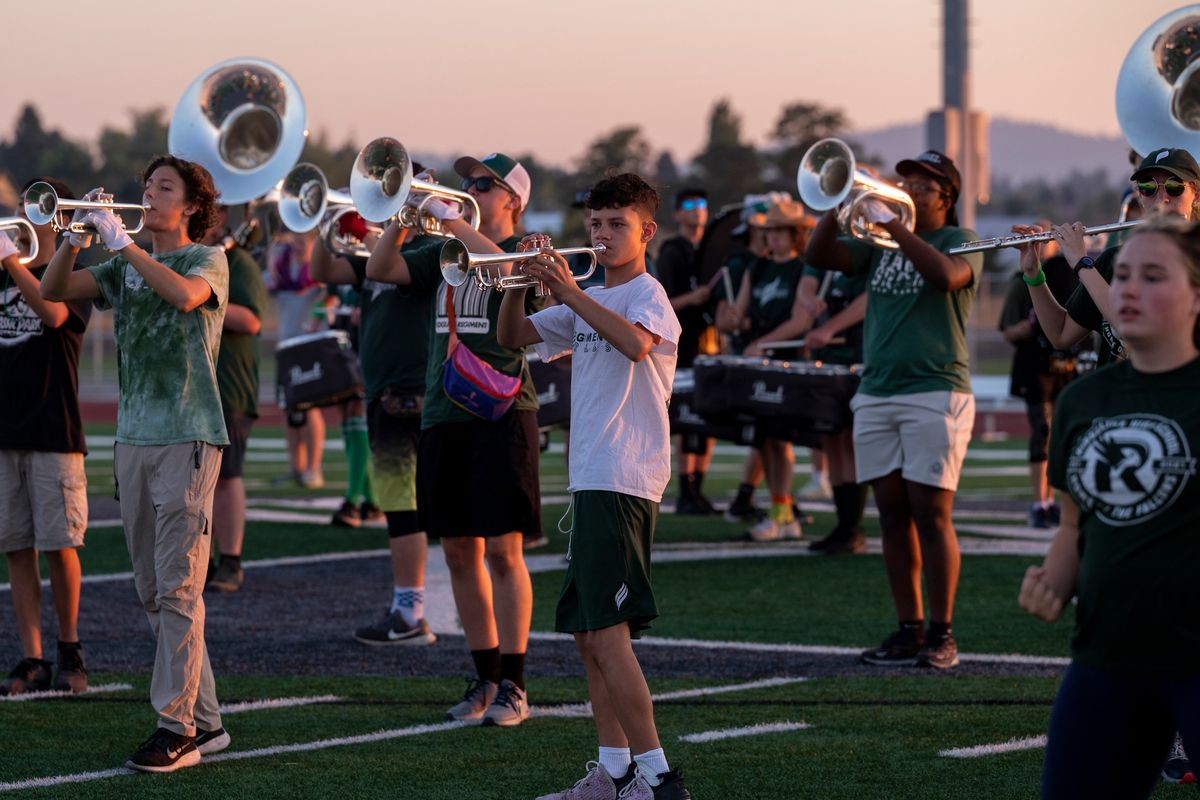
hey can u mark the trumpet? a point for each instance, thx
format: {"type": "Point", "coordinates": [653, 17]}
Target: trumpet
{"type": "Point", "coordinates": [22, 224]}
{"type": "Point", "coordinates": [382, 186]}
{"type": "Point", "coordinates": [43, 206]}
{"type": "Point", "coordinates": [304, 197]}
{"type": "Point", "coordinates": [1018, 240]}
{"type": "Point", "coordinates": [457, 265]}
{"type": "Point", "coordinates": [828, 177]}
{"type": "Point", "coordinates": [344, 244]}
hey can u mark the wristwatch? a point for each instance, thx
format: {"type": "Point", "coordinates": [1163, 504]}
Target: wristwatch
{"type": "Point", "coordinates": [1087, 262]}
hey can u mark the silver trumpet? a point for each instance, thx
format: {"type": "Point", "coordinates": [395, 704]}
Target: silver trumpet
{"type": "Point", "coordinates": [344, 244]}
{"type": "Point", "coordinates": [305, 196]}
{"type": "Point", "coordinates": [43, 207]}
{"type": "Point", "coordinates": [458, 264]}
{"type": "Point", "coordinates": [20, 224]}
{"type": "Point", "coordinates": [382, 187]}
{"type": "Point", "coordinates": [1019, 239]}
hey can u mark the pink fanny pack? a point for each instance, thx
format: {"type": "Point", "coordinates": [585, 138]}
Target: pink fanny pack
{"type": "Point", "coordinates": [471, 383]}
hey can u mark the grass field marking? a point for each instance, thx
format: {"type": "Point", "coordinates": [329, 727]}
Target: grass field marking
{"type": "Point", "coordinates": [278, 702]}
{"type": "Point", "coordinates": [585, 709]}
{"type": "Point", "coordinates": [750, 730]}
{"type": "Point", "coordinates": [59, 780]}
{"type": "Point", "coordinates": [101, 689]}
{"type": "Point", "coordinates": [1011, 746]}
{"type": "Point", "coordinates": [809, 649]}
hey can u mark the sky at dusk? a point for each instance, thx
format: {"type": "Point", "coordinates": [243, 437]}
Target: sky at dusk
{"type": "Point", "coordinates": [548, 76]}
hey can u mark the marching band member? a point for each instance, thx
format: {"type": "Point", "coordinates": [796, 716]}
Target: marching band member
{"type": "Point", "coordinates": [168, 307]}
{"type": "Point", "coordinates": [477, 478]}
{"type": "Point", "coordinates": [914, 410]}
{"type": "Point", "coordinates": [623, 340]}
{"type": "Point", "coordinates": [1124, 456]}
{"type": "Point", "coordinates": [43, 487]}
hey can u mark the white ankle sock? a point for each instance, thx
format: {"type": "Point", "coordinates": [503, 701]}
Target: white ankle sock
{"type": "Point", "coordinates": [652, 764]}
{"type": "Point", "coordinates": [615, 760]}
{"type": "Point", "coordinates": [410, 602]}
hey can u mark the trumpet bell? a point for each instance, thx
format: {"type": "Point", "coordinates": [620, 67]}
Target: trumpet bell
{"type": "Point", "coordinates": [381, 179]}
{"type": "Point", "coordinates": [41, 203]}
{"type": "Point", "coordinates": [1158, 87]}
{"type": "Point", "coordinates": [826, 174]}
{"type": "Point", "coordinates": [303, 196]}
{"type": "Point", "coordinates": [244, 121]}
{"type": "Point", "coordinates": [455, 262]}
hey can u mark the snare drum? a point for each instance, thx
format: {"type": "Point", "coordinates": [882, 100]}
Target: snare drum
{"type": "Point", "coordinates": [317, 369]}
{"type": "Point", "coordinates": [686, 419]}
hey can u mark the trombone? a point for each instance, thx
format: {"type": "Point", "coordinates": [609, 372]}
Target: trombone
{"type": "Point", "coordinates": [43, 206]}
{"type": "Point", "coordinates": [22, 224]}
{"type": "Point", "coordinates": [828, 177]}
{"type": "Point", "coordinates": [382, 186]}
{"type": "Point", "coordinates": [457, 265]}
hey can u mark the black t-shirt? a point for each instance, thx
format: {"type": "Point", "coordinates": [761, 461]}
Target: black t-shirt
{"type": "Point", "coordinates": [39, 405]}
{"type": "Point", "coordinates": [1082, 308]}
{"type": "Point", "coordinates": [675, 269]}
{"type": "Point", "coordinates": [1033, 355]}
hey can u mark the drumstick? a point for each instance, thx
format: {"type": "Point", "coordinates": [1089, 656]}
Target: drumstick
{"type": "Point", "coordinates": [828, 279]}
{"type": "Point", "coordinates": [729, 298]}
{"type": "Point", "coordinates": [789, 343]}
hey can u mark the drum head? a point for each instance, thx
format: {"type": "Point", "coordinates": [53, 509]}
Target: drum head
{"type": "Point", "coordinates": [718, 243]}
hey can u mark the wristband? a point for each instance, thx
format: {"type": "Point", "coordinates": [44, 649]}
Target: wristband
{"type": "Point", "coordinates": [1036, 280]}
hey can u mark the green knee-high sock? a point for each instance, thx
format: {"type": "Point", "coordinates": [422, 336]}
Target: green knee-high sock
{"type": "Point", "coordinates": [354, 433]}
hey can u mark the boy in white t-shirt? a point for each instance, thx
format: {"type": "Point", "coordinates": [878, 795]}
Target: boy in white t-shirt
{"type": "Point", "coordinates": [623, 337]}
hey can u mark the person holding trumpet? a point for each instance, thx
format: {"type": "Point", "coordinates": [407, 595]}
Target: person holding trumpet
{"type": "Point", "coordinates": [43, 486]}
{"type": "Point", "coordinates": [168, 307]}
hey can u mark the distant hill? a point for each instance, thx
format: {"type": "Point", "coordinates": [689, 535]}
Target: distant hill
{"type": "Point", "coordinates": [1020, 151]}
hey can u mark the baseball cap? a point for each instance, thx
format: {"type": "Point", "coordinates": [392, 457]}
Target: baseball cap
{"type": "Point", "coordinates": [937, 165]}
{"type": "Point", "coordinates": [506, 169]}
{"type": "Point", "coordinates": [1175, 160]}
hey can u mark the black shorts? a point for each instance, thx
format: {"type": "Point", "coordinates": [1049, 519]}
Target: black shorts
{"type": "Point", "coordinates": [234, 459]}
{"type": "Point", "coordinates": [394, 430]}
{"type": "Point", "coordinates": [480, 478]}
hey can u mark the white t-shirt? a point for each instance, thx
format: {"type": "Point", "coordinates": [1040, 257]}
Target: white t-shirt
{"type": "Point", "coordinates": [620, 434]}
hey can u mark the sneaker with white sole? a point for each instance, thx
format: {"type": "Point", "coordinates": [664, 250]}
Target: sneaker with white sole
{"type": "Point", "coordinates": [475, 701]}
{"type": "Point", "coordinates": [765, 531]}
{"type": "Point", "coordinates": [597, 784]}
{"type": "Point", "coordinates": [209, 742]}
{"type": "Point", "coordinates": [791, 530]}
{"type": "Point", "coordinates": [1178, 768]}
{"type": "Point", "coordinates": [817, 488]}
{"type": "Point", "coordinates": [392, 629]}
{"type": "Point", "coordinates": [165, 751]}
{"type": "Point", "coordinates": [508, 708]}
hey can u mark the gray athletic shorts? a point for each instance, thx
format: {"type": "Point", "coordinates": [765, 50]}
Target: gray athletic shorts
{"type": "Point", "coordinates": [43, 500]}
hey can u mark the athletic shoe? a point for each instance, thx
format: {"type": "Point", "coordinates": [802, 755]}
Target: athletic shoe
{"type": "Point", "coordinates": [940, 653]}
{"type": "Point", "coordinates": [369, 512]}
{"type": "Point", "coordinates": [855, 544]}
{"type": "Point", "coordinates": [671, 787]}
{"type": "Point", "coordinates": [689, 506]}
{"type": "Point", "coordinates": [767, 530]}
{"type": "Point", "coordinates": [209, 742]}
{"type": "Point", "coordinates": [72, 673]}
{"type": "Point", "coordinates": [165, 751]}
{"type": "Point", "coordinates": [347, 516]}
{"type": "Point", "coordinates": [508, 708]}
{"type": "Point", "coordinates": [311, 480]}
{"type": "Point", "coordinates": [744, 512]}
{"type": "Point", "coordinates": [790, 530]}
{"type": "Point", "coordinates": [1054, 514]}
{"type": "Point", "coordinates": [475, 701]}
{"type": "Point", "coordinates": [597, 784]}
{"type": "Point", "coordinates": [704, 504]}
{"type": "Point", "coordinates": [899, 650]}
{"type": "Point", "coordinates": [817, 488]}
{"type": "Point", "coordinates": [1178, 768]}
{"type": "Point", "coordinates": [30, 675]}
{"type": "Point", "coordinates": [392, 629]}
{"type": "Point", "coordinates": [1039, 517]}
{"type": "Point", "coordinates": [227, 577]}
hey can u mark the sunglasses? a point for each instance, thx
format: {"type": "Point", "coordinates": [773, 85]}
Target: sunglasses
{"type": "Point", "coordinates": [693, 204]}
{"type": "Point", "coordinates": [921, 187]}
{"type": "Point", "coordinates": [1150, 188]}
{"type": "Point", "coordinates": [483, 184]}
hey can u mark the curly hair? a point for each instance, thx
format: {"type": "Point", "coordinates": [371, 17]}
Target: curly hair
{"type": "Point", "coordinates": [1186, 237]}
{"type": "Point", "coordinates": [625, 189]}
{"type": "Point", "coordinates": [198, 188]}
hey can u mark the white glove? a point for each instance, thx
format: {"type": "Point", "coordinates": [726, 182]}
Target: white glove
{"type": "Point", "coordinates": [7, 248]}
{"type": "Point", "coordinates": [82, 240]}
{"type": "Point", "coordinates": [110, 230]}
{"type": "Point", "coordinates": [877, 212]}
{"type": "Point", "coordinates": [443, 210]}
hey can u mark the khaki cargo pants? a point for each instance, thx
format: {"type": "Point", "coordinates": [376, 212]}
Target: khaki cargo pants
{"type": "Point", "coordinates": [166, 494]}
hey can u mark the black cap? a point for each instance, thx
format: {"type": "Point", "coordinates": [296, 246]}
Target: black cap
{"type": "Point", "coordinates": [937, 165]}
{"type": "Point", "coordinates": [1175, 160]}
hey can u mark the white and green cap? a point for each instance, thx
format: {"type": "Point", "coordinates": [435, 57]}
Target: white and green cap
{"type": "Point", "coordinates": [507, 170]}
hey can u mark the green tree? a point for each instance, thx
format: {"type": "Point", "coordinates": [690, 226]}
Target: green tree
{"type": "Point", "coordinates": [800, 126]}
{"type": "Point", "coordinates": [125, 153]}
{"type": "Point", "coordinates": [728, 168]}
{"type": "Point", "coordinates": [623, 150]}
{"type": "Point", "coordinates": [33, 151]}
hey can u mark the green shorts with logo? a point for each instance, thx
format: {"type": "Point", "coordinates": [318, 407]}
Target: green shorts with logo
{"type": "Point", "coordinates": [608, 575]}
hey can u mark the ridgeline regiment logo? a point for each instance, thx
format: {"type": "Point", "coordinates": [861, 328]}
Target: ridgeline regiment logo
{"type": "Point", "coordinates": [1129, 468]}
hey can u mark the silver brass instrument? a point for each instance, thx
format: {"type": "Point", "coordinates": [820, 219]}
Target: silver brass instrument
{"type": "Point", "coordinates": [244, 121]}
{"type": "Point", "coordinates": [304, 197]}
{"type": "Point", "coordinates": [21, 224]}
{"type": "Point", "coordinates": [457, 265]}
{"type": "Point", "coordinates": [43, 207]}
{"type": "Point", "coordinates": [344, 244]}
{"type": "Point", "coordinates": [382, 186]}
{"type": "Point", "coordinates": [1017, 240]}
{"type": "Point", "coordinates": [1158, 87]}
{"type": "Point", "coordinates": [828, 177]}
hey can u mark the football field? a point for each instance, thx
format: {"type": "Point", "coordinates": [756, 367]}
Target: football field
{"type": "Point", "coordinates": [753, 663]}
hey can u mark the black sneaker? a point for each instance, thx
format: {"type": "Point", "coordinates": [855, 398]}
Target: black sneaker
{"type": "Point", "coordinates": [854, 544]}
{"type": "Point", "coordinates": [705, 505]}
{"type": "Point", "coordinates": [686, 504]}
{"type": "Point", "coordinates": [29, 675]}
{"type": "Point", "coordinates": [671, 787]}
{"type": "Point", "coordinates": [165, 751]}
{"type": "Point", "coordinates": [227, 577]}
{"type": "Point", "coordinates": [209, 742]}
{"type": "Point", "coordinates": [72, 672]}
{"type": "Point", "coordinates": [898, 650]}
{"type": "Point", "coordinates": [939, 653]}
{"type": "Point", "coordinates": [744, 512]}
{"type": "Point", "coordinates": [347, 516]}
{"type": "Point", "coordinates": [392, 629]}
{"type": "Point", "coordinates": [1054, 514]}
{"type": "Point", "coordinates": [1039, 517]}
{"type": "Point", "coordinates": [369, 512]}
{"type": "Point", "coordinates": [1178, 768]}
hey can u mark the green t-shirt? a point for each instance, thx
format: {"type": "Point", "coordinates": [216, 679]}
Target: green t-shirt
{"type": "Point", "coordinates": [476, 313]}
{"type": "Point", "coordinates": [166, 359]}
{"type": "Point", "coordinates": [1082, 308]}
{"type": "Point", "coordinates": [843, 290]}
{"type": "Point", "coordinates": [1123, 444]}
{"type": "Point", "coordinates": [772, 293]}
{"type": "Point", "coordinates": [393, 337]}
{"type": "Point", "coordinates": [237, 360]}
{"type": "Point", "coordinates": [915, 335]}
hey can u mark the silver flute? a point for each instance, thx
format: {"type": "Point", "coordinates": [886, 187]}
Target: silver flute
{"type": "Point", "coordinates": [1017, 240]}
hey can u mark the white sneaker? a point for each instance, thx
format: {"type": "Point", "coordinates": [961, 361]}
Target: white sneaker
{"type": "Point", "coordinates": [508, 708]}
{"type": "Point", "coordinates": [791, 530]}
{"type": "Point", "coordinates": [817, 488]}
{"type": "Point", "coordinates": [597, 784]}
{"type": "Point", "coordinates": [765, 531]}
{"type": "Point", "coordinates": [476, 699]}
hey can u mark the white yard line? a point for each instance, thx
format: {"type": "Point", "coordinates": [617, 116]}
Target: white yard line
{"type": "Point", "coordinates": [279, 702]}
{"type": "Point", "coordinates": [101, 689]}
{"type": "Point", "coordinates": [1011, 746]}
{"type": "Point", "coordinates": [751, 730]}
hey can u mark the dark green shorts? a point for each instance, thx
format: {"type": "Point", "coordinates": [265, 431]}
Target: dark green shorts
{"type": "Point", "coordinates": [608, 576]}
